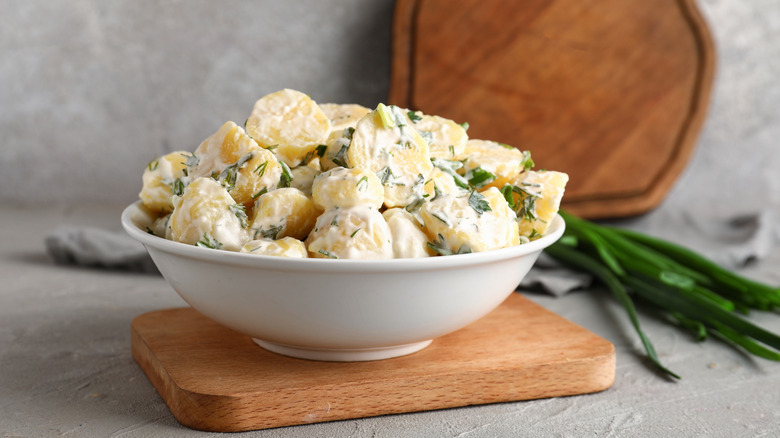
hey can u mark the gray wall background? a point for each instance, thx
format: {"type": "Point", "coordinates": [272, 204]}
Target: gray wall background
{"type": "Point", "coordinates": [91, 90]}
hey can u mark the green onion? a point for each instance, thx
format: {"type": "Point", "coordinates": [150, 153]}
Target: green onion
{"type": "Point", "coordinates": [385, 116]}
{"type": "Point", "coordinates": [691, 290]}
{"type": "Point", "coordinates": [586, 263]}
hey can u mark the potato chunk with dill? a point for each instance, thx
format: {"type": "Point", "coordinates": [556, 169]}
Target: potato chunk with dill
{"type": "Point", "coordinates": [473, 222]}
{"type": "Point", "coordinates": [159, 178]}
{"type": "Point", "coordinates": [334, 153]}
{"type": "Point", "coordinates": [446, 139]}
{"type": "Point", "coordinates": [343, 188]}
{"type": "Point", "coordinates": [255, 173]}
{"type": "Point", "coordinates": [358, 232]}
{"type": "Point", "coordinates": [283, 212]}
{"type": "Point", "coordinates": [231, 157]}
{"type": "Point", "coordinates": [290, 123]}
{"type": "Point", "coordinates": [205, 215]}
{"type": "Point", "coordinates": [385, 143]}
{"type": "Point", "coordinates": [445, 183]}
{"type": "Point", "coordinates": [536, 197]}
{"type": "Point", "coordinates": [220, 150]}
{"type": "Point", "coordinates": [284, 247]}
{"type": "Point", "coordinates": [491, 164]}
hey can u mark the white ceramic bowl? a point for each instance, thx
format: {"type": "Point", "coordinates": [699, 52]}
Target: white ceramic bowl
{"type": "Point", "coordinates": [339, 310]}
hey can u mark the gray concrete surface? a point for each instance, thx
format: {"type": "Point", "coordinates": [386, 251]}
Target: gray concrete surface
{"type": "Point", "coordinates": [93, 90]}
{"type": "Point", "coordinates": [90, 90]}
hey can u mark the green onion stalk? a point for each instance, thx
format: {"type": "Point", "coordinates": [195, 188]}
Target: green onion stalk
{"type": "Point", "coordinates": [693, 291]}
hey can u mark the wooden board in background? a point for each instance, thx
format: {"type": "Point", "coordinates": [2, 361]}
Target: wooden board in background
{"type": "Point", "coordinates": [213, 378]}
{"type": "Point", "coordinates": [613, 92]}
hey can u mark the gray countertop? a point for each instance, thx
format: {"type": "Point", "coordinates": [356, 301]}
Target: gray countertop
{"type": "Point", "coordinates": [66, 368]}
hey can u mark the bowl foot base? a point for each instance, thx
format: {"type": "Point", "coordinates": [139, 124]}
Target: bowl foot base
{"type": "Point", "coordinates": [343, 355]}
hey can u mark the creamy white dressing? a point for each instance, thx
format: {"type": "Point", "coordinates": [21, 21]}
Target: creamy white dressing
{"type": "Point", "coordinates": [358, 232]}
{"type": "Point", "coordinates": [303, 177]}
{"type": "Point", "coordinates": [389, 153]}
{"type": "Point", "coordinates": [158, 179]}
{"type": "Point", "coordinates": [409, 241]}
{"type": "Point", "coordinates": [209, 152]}
{"type": "Point", "coordinates": [340, 187]}
{"type": "Point", "coordinates": [446, 139]}
{"type": "Point", "coordinates": [285, 247]}
{"type": "Point", "coordinates": [461, 224]}
{"type": "Point", "coordinates": [204, 209]}
{"type": "Point", "coordinates": [496, 159]}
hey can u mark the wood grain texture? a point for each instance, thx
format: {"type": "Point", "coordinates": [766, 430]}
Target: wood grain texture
{"type": "Point", "coordinates": [215, 379]}
{"type": "Point", "coordinates": [613, 92]}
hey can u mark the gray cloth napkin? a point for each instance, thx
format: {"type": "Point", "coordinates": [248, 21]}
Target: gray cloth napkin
{"type": "Point", "coordinates": [95, 247]}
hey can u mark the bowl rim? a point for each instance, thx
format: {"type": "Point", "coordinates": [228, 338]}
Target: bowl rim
{"type": "Point", "coordinates": [554, 232]}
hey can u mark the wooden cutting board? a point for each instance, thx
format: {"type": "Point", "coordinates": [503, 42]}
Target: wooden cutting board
{"type": "Point", "coordinates": [613, 92]}
{"type": "Point", "coordinates": [213, 378]}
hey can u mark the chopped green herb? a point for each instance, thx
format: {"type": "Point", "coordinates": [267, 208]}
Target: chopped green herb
{"type": "Point", "coordinates": [191, 160]}
{"type": "Point", "coordinates": [436, 192]}
{"type": "Point", "coordinates": [444, 220]}
{"type": "Point", "coordinates": [385, 174]}
{"type": "Point", "coordinates": [479, 177]}
{"type": "Point", "coordinates": [399, 116]}
{"type": "Point", "coordinates": [452, 150]}
{"type": "Point", "coordinates": [415, 205]}
{"type": "Point", "coordinates": [240, 212]}
{"type": "Point", "coordinates": [260, 170]}
{"type": "Point", "coordinates": [413, 116]}
{"type": "Point", "coordinates": [270, 232]}
{"type": "Point", "coordinates": [451, 168]}
{"type": "Point", "coordinates": [320, 150]}
{"type": "Point", "coordinates": [208, 242]}
{"type": "Point", "coordinates": [230, 174]}
{"type": "Point", "coordinates": [340, 159]}
{"type": "Point", "coordinates": [506, 146]}
{"type": "Point", "coordinates": [327, 254]}
{"type": "Point", "coordinates": [178, 187]}
{"type": "Point", "coordinates": [152, 166]}
{"type": "Point", "coordinates": [528, 163]}
{"type": "Point", "coordinates": [150, 231]}
{"type": "Point", "coordinates": [464, 125]}
{"type": "Point", "coordinates": [272, 147]}
{"type": "Point", "coordinates": [525, 206]}
{"type": "Point", "coordinates": [362, 184]}
{"type": "Point", "coordinates": [334, 222]}
{"type": "Point", "coordinates": [354, 232]}
{"type": "Point", "coordinates": [427, 136]}
{"type": "Point", "coordinates": [263, 191]}
{"type": "Point", "coordinates": [478, 202]}
{"type": "Point", "coordinates": [286, 178]}
{"type": "Point", "coordinates": [440, 246]}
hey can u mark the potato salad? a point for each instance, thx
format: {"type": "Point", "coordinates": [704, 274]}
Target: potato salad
{"type": "Point", "coordinates": [342, 181]}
